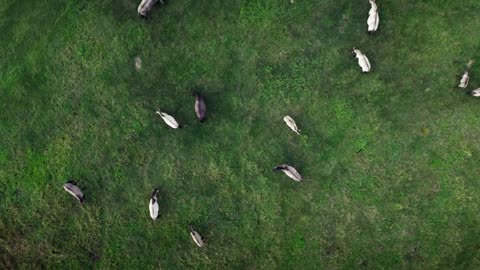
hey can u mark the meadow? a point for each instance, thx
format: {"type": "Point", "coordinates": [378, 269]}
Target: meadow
{"type": "Point", "coordinates": [390, 158]}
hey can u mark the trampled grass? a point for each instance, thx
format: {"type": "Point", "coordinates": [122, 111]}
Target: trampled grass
{"type": "Point", "coordinates": [390, 158]}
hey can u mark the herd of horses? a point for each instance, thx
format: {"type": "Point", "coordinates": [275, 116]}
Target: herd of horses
{"type": "Point", "coordinates": [201, 110]}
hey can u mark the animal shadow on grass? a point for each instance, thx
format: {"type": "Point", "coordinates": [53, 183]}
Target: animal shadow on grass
{"type": "Point", "coordinates": [291, 158]}
{"type": "Point", "coordinates": [219, 111]}
{"type": "Point", "coordinates": [93, 255]}
{"type": "Point", "coordinates": [162, 199]}
{"type": "Point", "coordinates": [212, 99]}
{"type": "Point", "coordinates": [199, 92]}
{"type": "Point", "coordinates": [219, 105]}
{"type": "Point", "coordinates": [80, 184]}
{"type": "Point", "coordinates": [124, 10]}
{"type": "Point", "coordinates": [204, 228]}
{"type": "Point", "coordinates": [155, 10]}
{"type": "Point", "coordinates": [413, 255]}
{"type": "Point", "coordinates": [141, 86]}
{"type": "Point", "coordinates": [333, 250]}
{"type": "Point", "coordinates": [363, 264]}
{"type": "Point", "coordinates": [7, 259]}
{"type": "Point", "coordinates": [89, 183]}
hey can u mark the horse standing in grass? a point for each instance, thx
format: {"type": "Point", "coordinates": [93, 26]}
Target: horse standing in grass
{"type": "Point", "coordinates": [289, 171]}
{"type": "Point", "coordinates": [169, 120]}
{"type": "Point", "coordinates": [373, 18]}
{"type": "Point", "coordinates": [200, 106]}
{"type": "Point", "coordinates": [153, 205]}
{"type": "Point", "coordinates": [363, 61]}
{"type": "Point", "coordinates": [72, 188]}
{"type": "Point", "coordinates": [145, 7]}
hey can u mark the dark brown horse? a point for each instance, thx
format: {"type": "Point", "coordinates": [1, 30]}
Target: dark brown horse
{"type": "Point", "coordinates": [200, 106]}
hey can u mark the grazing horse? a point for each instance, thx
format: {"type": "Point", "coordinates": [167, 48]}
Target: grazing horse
{"type": "Point", "coordinates": [145, 6]}
{"type": "Point", "coordinates": [200, 106]}
{"type": "Point", "coordinates": [291, 124]}
{"type": "Point", "coordinates": [72, 188]}
{"type": "Point", "coordinates": [373, 18]}
{"type": "Point", "coordinates": [289, 171]}
{"type": "Point", "coordinates": [169, 120]}
{"type": "Point", "coordinates": [363, 61]}
{"type": "Point", "coordinates": [464, 80]}
{"type": "Point", "coordinates": [475, 93]}
{"type": "Point", "coordinates": [153, 205]}
{"type": "Point", "coordinates": [197, 238]}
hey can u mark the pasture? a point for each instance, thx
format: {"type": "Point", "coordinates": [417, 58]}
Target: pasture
{"type": "Point", "coordinates": [389, 158]}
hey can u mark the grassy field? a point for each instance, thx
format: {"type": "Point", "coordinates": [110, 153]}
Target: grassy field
{"type": "Point", "coordinates": [390, 158]}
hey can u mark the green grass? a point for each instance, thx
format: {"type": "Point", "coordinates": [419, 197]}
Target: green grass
{"type": "Point", "coordinates": [390, 158]}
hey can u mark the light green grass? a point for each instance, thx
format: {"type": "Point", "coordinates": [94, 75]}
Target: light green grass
{"type": "Point", "coordinates": [390, 158]}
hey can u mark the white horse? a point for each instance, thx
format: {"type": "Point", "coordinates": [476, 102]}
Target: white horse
{"type": "Point", "coordinates": [289, 171]}
{"type": "Point", "coordinates": [197, 238]}
{"type": "Point", "coordinates": [464, 80]}
{"type": "Point", "coordinates": [373, 18]}
{"type": "Point", "coordinates": [291, 124]}
{"type": "Point", "coordinates": [169, 120]}
{"type": "Point", "coordinates": [475, 93]}
{"type": "Point", "coordinates": [153, 205]}
{"type": "Point", "coordinates": [145, 6]}
{"type": "Point", "coordinates": [363, 61]}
